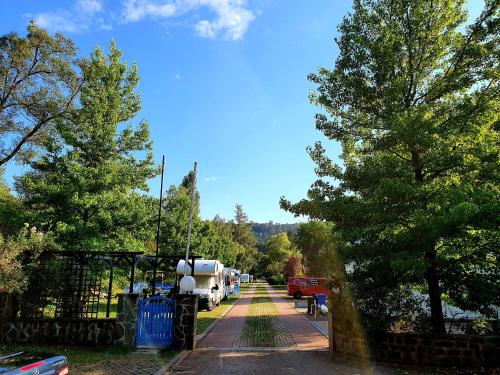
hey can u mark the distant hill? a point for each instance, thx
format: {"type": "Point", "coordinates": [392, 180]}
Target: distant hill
{"type": "Point", "coordinates": [264, 231]}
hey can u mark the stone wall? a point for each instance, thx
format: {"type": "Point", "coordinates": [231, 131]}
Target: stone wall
{"type": "Point", "coordinates": [108, 332]}
{"type": "Point", "coordinates": [413, 349]}
{"type": "Point", "coordinates": [347, 339]}
{"type": "Point", "coordinates": [63, 332]}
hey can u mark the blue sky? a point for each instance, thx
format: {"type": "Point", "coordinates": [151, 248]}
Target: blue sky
{"type": "Point", "coordinates": [223, 82]}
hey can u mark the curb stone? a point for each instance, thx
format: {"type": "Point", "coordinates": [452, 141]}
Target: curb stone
{"type": "Point", "coordinates": [165, 370]}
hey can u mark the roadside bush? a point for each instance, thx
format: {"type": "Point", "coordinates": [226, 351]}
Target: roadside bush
{"type": "Point", "coordinates": [276, 280]}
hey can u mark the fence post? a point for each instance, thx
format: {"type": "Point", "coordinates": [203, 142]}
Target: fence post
{"type": "Point", "coordinates": [186, 310]}
{"type": "Point", "coordinates": [126, 317]}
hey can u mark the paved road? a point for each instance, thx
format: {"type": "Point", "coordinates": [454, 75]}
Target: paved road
{"type": "Point", "coordinates": [208, 362]}
{"type": "Point", "coordinates": [219, 353]}
{"type": "Point", "coordinates": [304, 334]}
{"type": "Point", "coordinates": [227, 329]}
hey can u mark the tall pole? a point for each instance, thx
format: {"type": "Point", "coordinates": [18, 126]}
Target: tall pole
{"type": "Point", "coordinates": [190, 224]}
{"type": "Point", "coordinates": [158, 228]}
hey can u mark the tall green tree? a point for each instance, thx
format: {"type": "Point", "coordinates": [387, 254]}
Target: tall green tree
{"type": "Point", "coordinates": [38, 86]}
{"type": "Point", "coordinates": [279, 250]}
{"type": "Point", "coordinates": [413, 100]}
{"type": "Point", "coordinates": [175, 218]}
{"type": "Point", "coordinates": [11, 210]}
{"type": "Point", "coordinates": [86, 186]}
{"type": "Point", "coordinates": [247, 259]}
{"type": "Point", "coordinates": [316, 242]}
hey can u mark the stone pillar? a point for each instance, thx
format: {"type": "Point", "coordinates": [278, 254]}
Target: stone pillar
{"type": "Point", "coordinates": [186, 310]}
{"type": "Point", "coordinates": [126, 318]}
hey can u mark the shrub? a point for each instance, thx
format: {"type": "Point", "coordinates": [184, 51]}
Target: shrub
{"type": "Point", "coordinates": [276, 280]}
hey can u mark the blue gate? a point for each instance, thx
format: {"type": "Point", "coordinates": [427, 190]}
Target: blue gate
{"type": "Point", "coordinates": [155, 322]}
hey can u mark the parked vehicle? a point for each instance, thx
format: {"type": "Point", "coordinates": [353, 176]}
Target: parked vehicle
{"type": "Point", "coordinates": [306, 286]}
{"type": "Point", "coordinates": [244, 278]}
{"type": "Point", "coordinates": [209, 276]}
{"type": "Point", "coordinates": [33, 364]}
{"type": "Point", "coordinates": [227, 283]}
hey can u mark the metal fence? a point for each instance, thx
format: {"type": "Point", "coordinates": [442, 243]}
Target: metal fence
{"type": "Point", "coordinates": [79, 284]}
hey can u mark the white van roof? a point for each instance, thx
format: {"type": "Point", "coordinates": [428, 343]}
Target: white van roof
{"type": "Point", "coordinates": [201, 267]}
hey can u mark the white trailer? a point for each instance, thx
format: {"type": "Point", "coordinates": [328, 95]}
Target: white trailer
{"type": "Point", "coordinates": [245, 278]}
{"type": "Point", "coordinates": [209, 278]}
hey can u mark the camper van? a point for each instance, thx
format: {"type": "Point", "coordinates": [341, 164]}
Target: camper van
{"type": "Point", "coordinates": [245, 278]}
{"type": "Point", "coordinates": [209, 278]}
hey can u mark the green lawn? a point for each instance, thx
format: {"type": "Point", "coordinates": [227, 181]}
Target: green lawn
{"type": "Point", "coordinates": [280, 287]}
{"type": "Point", "coordinates": [77, 355]}
{"type": "Point", "coordinates": [112, 308]}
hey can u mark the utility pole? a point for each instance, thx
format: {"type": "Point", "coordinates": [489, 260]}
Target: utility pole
{"type": "Point", "coordinates": [158, 228]}
{"type": "Point", "coordinates": [190, 224]}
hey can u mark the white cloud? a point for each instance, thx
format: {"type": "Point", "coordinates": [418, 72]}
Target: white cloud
{"type": "Point", "coordinates": [227, 18]}
{"type": "Point", "coordinates": [213, 178]}
{"type": "Point", "coordinates": [232, 17]}
{"type": "Point", "coordinates": [78, 18]}
{"type": "Point", "coordinates": [137, 10]}
{"type": "Point", "coordinates": [56, 22]}
{"type": "Point", "coordinates": [89, 6]}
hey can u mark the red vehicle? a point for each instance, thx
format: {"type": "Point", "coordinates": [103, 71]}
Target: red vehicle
{"type": "Point", "coordinates": [306, 286]}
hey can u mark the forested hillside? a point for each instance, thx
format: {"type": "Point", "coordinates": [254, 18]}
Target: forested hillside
{"type": "Point", "coordinates": [264, 231]}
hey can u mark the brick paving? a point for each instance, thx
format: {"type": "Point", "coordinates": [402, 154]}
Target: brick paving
{"type": "Point", "coordinates": [287, 328]}
{"type": "Point", "coordinates": [305, 336]}
{"type": "Point", "coordinates": [227, 329]}
{"type": "Point", "coordinates": [263, 327]}
{"type": "Point", "coordinates": [300, 348]}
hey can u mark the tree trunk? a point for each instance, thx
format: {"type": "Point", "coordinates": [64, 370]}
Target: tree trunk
{"type": "Point", "coordinates": [437, 318]}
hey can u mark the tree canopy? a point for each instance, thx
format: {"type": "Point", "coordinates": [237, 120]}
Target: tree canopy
{"type": "Point", "coordinates": [38, 86]}
{"type": "Point", "coordinates": [413, 101]}
{"type": "Point", "coordinates": [85, 187]}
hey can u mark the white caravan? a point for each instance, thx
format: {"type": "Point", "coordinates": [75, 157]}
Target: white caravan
{"type": "Point", "coordinates": [209, 281]}
{"type": "Point", "coordinates": [245, 278]}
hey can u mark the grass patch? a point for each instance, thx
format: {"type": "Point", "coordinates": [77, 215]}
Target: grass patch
{"type": "Point", "coordinates": [77, 355]}
{"type": "Point", "coordinates": [113, 307]}
{"type": "Point", "coordinates": [280, 287]}
{"type": "Point", "coordinates": [99, 360]}
{"type": "Point", "coordinates": [245, 287]}
{"type": "Point", "coordinates": [206, 318]}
